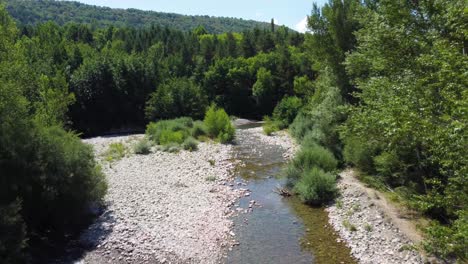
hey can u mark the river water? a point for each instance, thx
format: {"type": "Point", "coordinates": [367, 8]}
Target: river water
{"type": "Point", "coordinates": [278, 229]}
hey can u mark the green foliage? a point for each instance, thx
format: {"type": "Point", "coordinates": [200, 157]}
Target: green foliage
{"type": "Point", "coordinates": [190, 144]}
{"type": "Point", "coordinates": [410, 68]}
{"type": "Point", "coordinates": [286, 111]}
{"type": "Point", "coordinates": [308, 158]}
{"type": "Point", "coordinates": [35, 12]}
{"type": "Point", "coordinates": [334, 26]}
{"type": "Point", "coordinates": [49, 178]}
{"type": "Point", "coordinates": [316, 187]}
{"type": "Point", "coordinates": [449, 241]}
{"type": "Point", "coordinates": [199, 129]}
{"type": "Point", "coordinates": [170, 131]}
{"type": "Point", "coordinates": [115, 152]}
{"type": "Point", "coordinates": [169, 136]}
{"type": "Point", "coordinates": [270, 126]}
{"type": "Point", "coordinates": [176, 134]}
{"type": "Point", "coordinates": [175, 98]}
{"type": "Point", "coordinates": [321, 116]}
{"type": "Point", "coordinates": [360, 154]}
{"type": "Point", "coordinates": [219, 125]}
{"type": "Point", "coordinates": [142, 147]}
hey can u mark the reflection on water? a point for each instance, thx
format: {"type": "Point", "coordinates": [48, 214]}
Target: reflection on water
{"type": "Point", "coordinates": [280, 230]}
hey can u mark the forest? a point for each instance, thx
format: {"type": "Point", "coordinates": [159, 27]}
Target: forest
{"type": "Point", "coordinates": [63, 12]}
{"type": "Point", "coordinates": [378, 85]}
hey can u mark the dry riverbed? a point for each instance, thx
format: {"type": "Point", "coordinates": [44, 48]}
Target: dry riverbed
{"type": "Point", "coordinates": [164, 207]}
{"type": "Point", "coordinates": [176, 208]}
{"type": "Point", "coordinates": [371, 226]}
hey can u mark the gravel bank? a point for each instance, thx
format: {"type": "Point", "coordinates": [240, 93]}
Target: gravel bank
{"type": "Point", "coordinates": [281, 139]}
{"type": "Point", "coordinates": [365, 221]}
{"type": "Point", "coordinates": [163, 207]}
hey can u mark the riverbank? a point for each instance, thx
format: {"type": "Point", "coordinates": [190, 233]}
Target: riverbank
{"type": "Point", "coordinates": [371, 226]}
{"type": "Point", "coordinates": [163, 207]}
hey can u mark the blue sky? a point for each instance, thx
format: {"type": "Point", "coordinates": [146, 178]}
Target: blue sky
{"type": "Point", "coordinates": [291, 13]}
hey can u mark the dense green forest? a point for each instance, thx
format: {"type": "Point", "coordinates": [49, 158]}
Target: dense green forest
{"type": "Point", "coordinates": [379, 85]}
{"type": "Point", "coordinates": [62, 12]}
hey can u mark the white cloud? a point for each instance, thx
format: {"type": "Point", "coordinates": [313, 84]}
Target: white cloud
{"type": "Point", "coordinates": [302, 25]}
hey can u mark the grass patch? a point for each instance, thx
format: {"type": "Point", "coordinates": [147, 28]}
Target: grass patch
{"type": "Point", "coordinates": [190, 144]}
{"type": "Point", "coordinates": [142, 147]}
{"type": "Point", "coordinates": [349, 226]}
{"type": "Point", "coordinates": [115, 152]}
{"type": "Point", "coordinates": [211, 178]}
{"type": "Point", "coordinates": [270, 126]}
{"type": "Point", "coordinates": [368, 228]}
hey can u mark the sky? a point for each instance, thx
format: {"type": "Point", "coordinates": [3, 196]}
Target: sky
{"type": "Point", "coordinates": [292, 13]}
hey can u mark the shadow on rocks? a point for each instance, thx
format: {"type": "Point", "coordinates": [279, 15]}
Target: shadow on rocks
{"type": "Point", "coordinates": [88, 240]}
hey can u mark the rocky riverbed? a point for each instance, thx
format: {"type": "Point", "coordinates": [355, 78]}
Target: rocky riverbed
{"type": "Point", "coordinates": [370, 225]}
{"type": "Point", "coordinates": [163, 207]}
{"type": "Point", "coordinates": [176, 208]}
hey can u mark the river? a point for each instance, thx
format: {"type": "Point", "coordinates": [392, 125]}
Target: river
{"type": "Point", "coordinates": [278, 229]}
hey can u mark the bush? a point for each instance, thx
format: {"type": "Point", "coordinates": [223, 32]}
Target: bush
{"type": "Point", "coordinates": [270, 126]}
{"type": "Point", "coordinates": [219, 125]}
{"type": "Point", "coordinates": [115, 152]}
{"type": "Point", "coordinates": [142, 147]}
{"type": "Point", "coordinates": [301, 125]}
{"type": "Point", "coordinates": [64, 176]}
{"type": "Point", "coordinates": [169, 131]}
{"type": "Point", "coordinates": [449, 241]}
{"type": "Point", "coordinates": [315, 156]}
{"type": "Point", "coordinates": [199, 129]}
{"type": "Point", "coordinates": [286, 111]}
{"type": "Point", "coordinates": [169, 136]}
{"type": "Point", "coordinates": [190, 144]}
{"type": "Point", "coordinates": [307, 158]}
{"type": "Point", "coordinates": [359, 154]}
{"type": "Point", "coordinates": [316, 187]}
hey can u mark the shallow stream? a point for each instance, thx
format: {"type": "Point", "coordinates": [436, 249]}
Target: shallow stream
{"type": "Point", "coordinates": [277, 229]}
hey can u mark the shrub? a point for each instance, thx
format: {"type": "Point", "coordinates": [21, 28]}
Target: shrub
{"type": "Point", "coordinates": [167, 131]}
{"type": "Point", "coordinates": [359, 154]}
{"type": "Point", "coordinates": [270, 126]}
{"type": "Point", "coordinates": [316, 187]}
{"type": "Point", "coordinates": [198, 129]}
{"type": "Point", "coordinates": [168, 136]}
{"type": "Point", "coordinates": [449, 241]}
{"type": "Point", "coordinates": [219, 125]}
{"type": "Point", "coordinates": [171, 148]}
{"type": "Point", "coordinates": [301, 125]}
{"type": "Point", "coordinates": [190, 144]}
{"type": "Point", "coordinates": [66, 181]}
{"type": "Point", "coordinates": [142, 147]}
{"type": "Point", "coordinates": [308, 157]}
{"type": "Point", "coordinates": [286, 111]}
{"type": "Point", "coordinates": [115, 152]}
{"type": "Point", "coordinates": [315, 156]}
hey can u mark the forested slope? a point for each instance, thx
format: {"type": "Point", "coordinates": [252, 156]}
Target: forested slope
{"type": "Point", "coordinates": [62, 12]}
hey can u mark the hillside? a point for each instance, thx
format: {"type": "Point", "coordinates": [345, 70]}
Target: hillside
{"type": "Point", "coordinates": [62, 12]}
